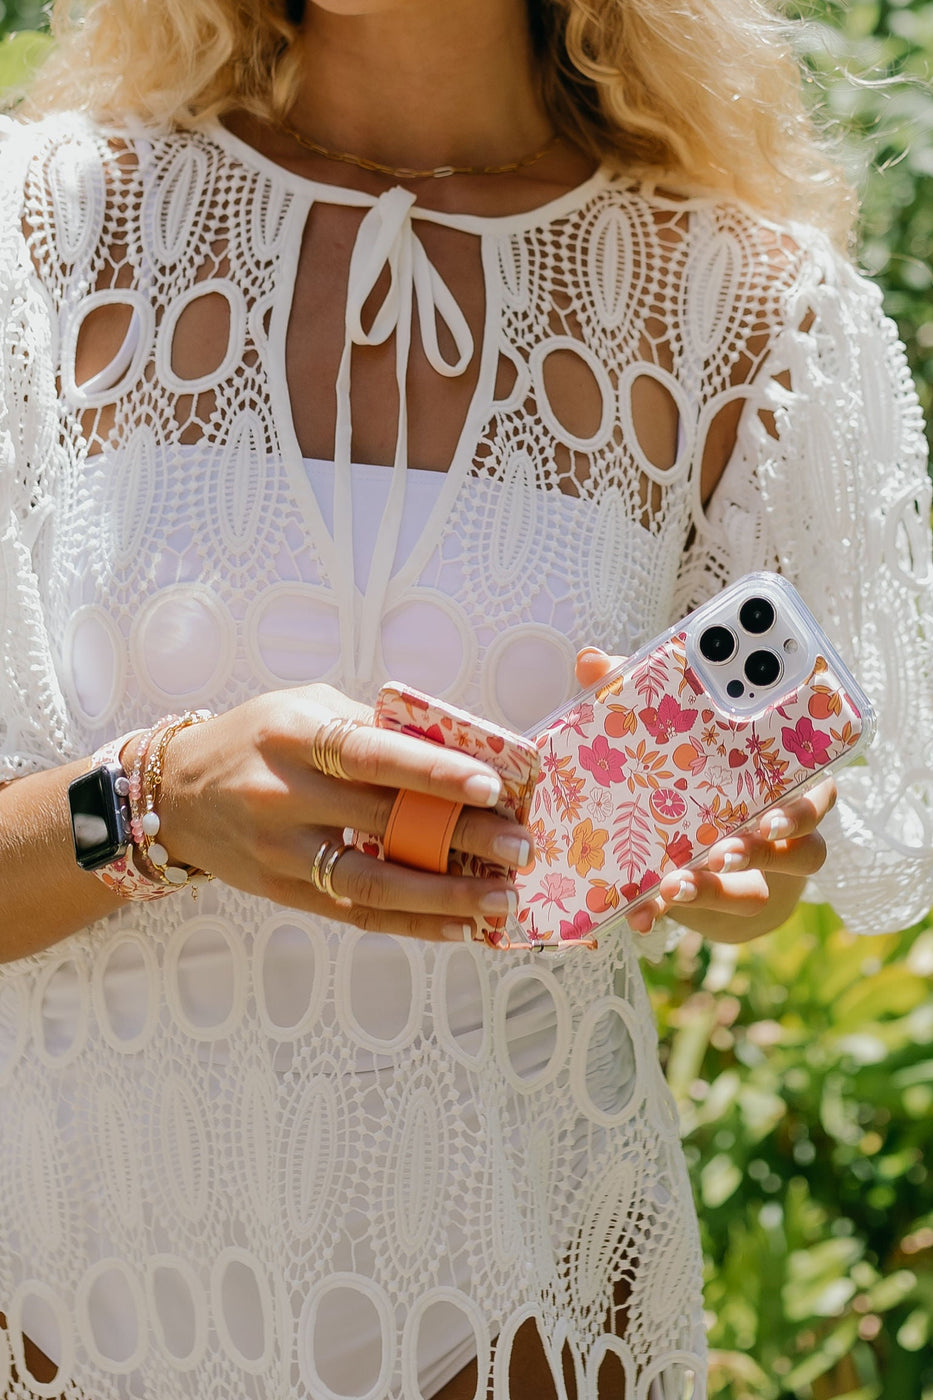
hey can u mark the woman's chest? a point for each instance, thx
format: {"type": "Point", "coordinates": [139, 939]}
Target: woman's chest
{"type": "Point", "coordinates": [193, 558]}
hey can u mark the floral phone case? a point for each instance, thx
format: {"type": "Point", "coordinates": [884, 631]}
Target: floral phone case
{"type": "Point", "coordinates": [514, 757]}
{"type": "Point", "coordinates": [741, 705]}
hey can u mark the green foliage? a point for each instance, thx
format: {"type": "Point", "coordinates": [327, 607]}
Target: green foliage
{"type": "Point", "coordinates": [872, 66]}
{"type": "Point", "coordinates": [20, 54]}
{"type": "Point", "coordinates": [21, 14]}
{"type": "Point", "coordinates": [803, 1066]}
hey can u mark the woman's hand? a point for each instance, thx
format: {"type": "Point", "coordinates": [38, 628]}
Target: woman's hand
{"type": "Point", "coordinates": [750, 882]}
{"type": "Point", "coordinates": [241, 799]}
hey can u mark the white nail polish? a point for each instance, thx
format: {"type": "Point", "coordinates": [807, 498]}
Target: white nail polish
{"type": "Point", "coordinates": [734, 860]}
{"type": "Point", "coordinates": [684, 892]}
{"type": "Point", "coordinates": [458, 933]}
{"type": "Point", "coordinates": [499, 902]}
{"type": "Point", "coordinates": [482, 791]}
{"type": "Point", "coordinates": [778, 828]}
{"type": "Point", "coordinates": [514, 850]}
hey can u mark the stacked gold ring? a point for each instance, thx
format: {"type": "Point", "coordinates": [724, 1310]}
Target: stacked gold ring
{"type": "Point", "coordinates": [323, 866]}
{"type": "Point", "coordinates": [327, 745]}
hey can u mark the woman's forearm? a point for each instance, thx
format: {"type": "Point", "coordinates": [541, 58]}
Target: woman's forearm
{"type": "Point", "coordinates": [44, 895]}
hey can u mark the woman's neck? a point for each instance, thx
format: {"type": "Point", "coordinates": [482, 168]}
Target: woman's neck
{"type": "Point", "coordinates": [422, 83]}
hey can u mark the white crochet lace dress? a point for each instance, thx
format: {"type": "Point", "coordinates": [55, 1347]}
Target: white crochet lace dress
{"type": "Point", "coordinates": [248, 1153]}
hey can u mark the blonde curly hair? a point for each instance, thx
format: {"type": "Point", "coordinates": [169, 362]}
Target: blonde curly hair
{"type": "Point", "coordinates": [707, 92]}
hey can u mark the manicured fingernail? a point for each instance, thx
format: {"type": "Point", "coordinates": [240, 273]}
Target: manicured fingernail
{"type": "Point", "coordinates": [482, 790]}
{"type": "Point", "coordinates": [590, 651]}
{"type": "Point", "coordinates": [458, 933]}
{"type": "Point", "coordinates": [776, 828]}
{"type": "Point", "coordinates": [514, 850]}
{"type": "Point", "coordinates": [734, 860]}
{"type": "Point", "coordinates": [499, 902]}
{"type": "Point", "coordinates": [684, 892]}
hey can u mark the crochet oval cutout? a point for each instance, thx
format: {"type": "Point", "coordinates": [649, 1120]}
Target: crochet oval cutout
{"type": "Point", "coordinates": [604, 1069]}
{"type": "Point", "coordinates": [346, 1305]}
{"type": "Point", "coordinates": [182, 641]}
{"type": "Point", "coordinates": [294, 633]}
{"type": "Point", "coordinates": [105, 345]}
{"type": "Point", "coordinates": [124, 987]}
{"type": "Point", "coordinates": [61, 1012]}
{"type": "Point", "coordinates": [656, 419]}
{"type": "Point", "coordinates": [204, 976]}
{"type": "Point", "coordinates": [178, 1310]}
{"type": "Point", "coordinates": [111, 1313]}
{"type": "Point", "coordinates": [243, 1309]}
{"type": "Point", "coordinates": [35, 1310]}
{"type": "Point", "coordinates": [378, 1011]}
{"type": "Point", "coordinates": [290, 966]}
{"type": "Point", "coordinates": [436, 668]}
{"type": "Point", "coordinates": [573, 391]}
{"type": "Point", "coordinates": [444, 1313]}
{"type": "Point", "coordinates": [201, 337]}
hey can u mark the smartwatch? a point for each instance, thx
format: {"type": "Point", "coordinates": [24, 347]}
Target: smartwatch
{"type": "Point", "coordinates": [100, 816]}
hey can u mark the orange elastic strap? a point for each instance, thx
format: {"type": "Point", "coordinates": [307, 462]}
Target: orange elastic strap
{"type": "Point", "coordinates": [420, 829]}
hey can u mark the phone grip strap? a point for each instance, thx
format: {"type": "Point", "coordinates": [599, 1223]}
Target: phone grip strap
{"type": "Point", "coordinates": [420, 829]}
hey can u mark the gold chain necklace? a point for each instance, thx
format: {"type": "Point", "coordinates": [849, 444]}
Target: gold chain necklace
{"type": "Point", "coordinates": [403, 172]}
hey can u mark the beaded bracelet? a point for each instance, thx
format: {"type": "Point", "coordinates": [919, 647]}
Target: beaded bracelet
{"type": "Point", "coordinates": [123, 876]}
{"type": "Point", "coordinates": [144, 785]}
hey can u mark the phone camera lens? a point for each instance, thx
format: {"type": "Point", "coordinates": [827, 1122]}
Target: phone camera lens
{"type": "Point", "coordinates": [756, 615]}
{"type": "Point", "coordinates": [762, 668]}
{"type": "Point", "coordinates": [717, 644]}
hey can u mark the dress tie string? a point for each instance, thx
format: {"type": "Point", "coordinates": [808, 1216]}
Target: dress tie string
{"type": "Point", "coordinates": [386, 239]}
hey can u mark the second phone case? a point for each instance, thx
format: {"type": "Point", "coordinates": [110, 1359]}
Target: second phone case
{"type": "Point", "coordinates": [738, 707]}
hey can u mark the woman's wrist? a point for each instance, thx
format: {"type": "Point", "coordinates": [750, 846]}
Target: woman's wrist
{"type": "Point", "coordinates": [129, 778]}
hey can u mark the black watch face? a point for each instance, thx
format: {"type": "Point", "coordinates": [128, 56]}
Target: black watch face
{"type": "Point", "coordinates": [97, 823]}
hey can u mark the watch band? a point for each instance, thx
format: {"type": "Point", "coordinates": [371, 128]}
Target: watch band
{"type": "Point", "coordinates": [121, 875]}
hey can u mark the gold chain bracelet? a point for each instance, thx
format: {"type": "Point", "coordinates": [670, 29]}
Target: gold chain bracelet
{"type": "Point", "coordinates": [153, 852]}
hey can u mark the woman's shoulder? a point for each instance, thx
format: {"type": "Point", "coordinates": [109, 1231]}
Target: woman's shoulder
{"type": "Point", "coordinates": [71, 181]}
{"type": "Point", "coordinates": [63, 150]}
{"type": "Point", "coordinates": [714, 248]}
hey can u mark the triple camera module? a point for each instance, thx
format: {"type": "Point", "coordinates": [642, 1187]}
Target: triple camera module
{"type": "Point", "coordinates": [763, 667]}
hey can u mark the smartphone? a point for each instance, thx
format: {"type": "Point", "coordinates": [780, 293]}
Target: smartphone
{"type": "Point", "coordinates": [737, 708]}
{"type": "Point", "coordinates": [515, 758]}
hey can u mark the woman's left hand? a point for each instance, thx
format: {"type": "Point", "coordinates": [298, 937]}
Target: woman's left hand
{"type": "Point", "coordinates": [751, 881]}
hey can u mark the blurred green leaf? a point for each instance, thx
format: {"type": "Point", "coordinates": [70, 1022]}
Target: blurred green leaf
{"type": "Point", "coordinates": [915, 1332]}
{"type": "Point", "coordinates": [718, 1180]}
{"type": "Point", "coordinates": [20, 56]}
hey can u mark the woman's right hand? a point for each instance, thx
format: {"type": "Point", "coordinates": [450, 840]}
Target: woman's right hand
{"type": "Point", "coordinates": [241, 799]}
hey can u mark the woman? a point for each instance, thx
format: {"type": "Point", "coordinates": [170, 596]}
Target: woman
{"type": "Point", "coordinates": [289, 401]}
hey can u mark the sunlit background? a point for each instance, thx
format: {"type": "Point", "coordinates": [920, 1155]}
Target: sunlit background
{"type": "Point", "coordinates": [803, 1064]}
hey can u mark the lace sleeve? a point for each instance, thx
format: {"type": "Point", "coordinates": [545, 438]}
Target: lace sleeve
{"type": "Point", "coordinates": [828, 483]}
{"type": "Point", "coordinates": [32, 710]}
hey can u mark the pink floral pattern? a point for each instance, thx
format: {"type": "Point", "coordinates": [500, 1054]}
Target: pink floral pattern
{"type": "Point", "coordinates": [644, 775]}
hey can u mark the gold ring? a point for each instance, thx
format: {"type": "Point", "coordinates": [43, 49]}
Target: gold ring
{"type": "Point", "coordinates": [323, 851]}
{"type": "Point", "coordinates": [327, 871]}
{"type": "Point", "coordinates": [327, 746]}
{"type": "Point", "coordinates": [322, 868]}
